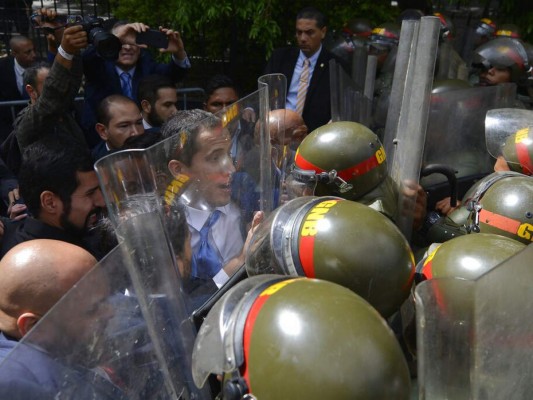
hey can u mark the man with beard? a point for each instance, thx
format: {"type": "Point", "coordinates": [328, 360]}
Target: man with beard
{"type": "Point", "coordinates": [63, 196]}
{"type": "Point", "coordinates": [158, 99]}
{"type": "Point", "coordinates": [118, 119]}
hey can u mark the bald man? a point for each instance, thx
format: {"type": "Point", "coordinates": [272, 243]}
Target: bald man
{"type": "Point", "coordinates": [295, 128]}
{"type": "Point", "coordinates": [35, 275]}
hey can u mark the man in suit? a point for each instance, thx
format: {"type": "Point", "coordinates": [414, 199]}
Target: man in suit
{"type": "Point", "coordinates": [105, 77]}
{"type": "Point", "coordinates": [307, 69]}
{"type": "Point", "coordinates": [11, 86]}
{"type": "Point", "coordinates": [158, 100]}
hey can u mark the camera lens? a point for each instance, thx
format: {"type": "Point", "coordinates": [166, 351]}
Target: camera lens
{"type": "Point", "coordinates": [107, 45]}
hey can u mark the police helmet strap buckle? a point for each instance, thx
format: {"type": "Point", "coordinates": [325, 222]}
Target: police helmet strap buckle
{"type": "Point", "coordinates": [341, 183]}
{"type": "Point", "coordinates": [474, 207]}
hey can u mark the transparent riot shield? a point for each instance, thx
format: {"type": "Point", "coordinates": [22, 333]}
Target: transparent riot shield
{"type": "Point", "coordinates": [502, 350]}
{"type": "Point", "coordinates": [473, 337]}
{"type": "Point", "coordinates": [276, 153]}
{"type": "Point", "coordinates": [349, 100]}
{"type": "Point", "coordinates": [444, 309]}
{"type": "Point", "coordinates": [108, 338]}
{"type": "Point", "coordinates": [204, 182]}
{"type": "Point", "coordinates": [509, 133]}
{"type": "Point", "coordinates": [455, 131]}
{"type": "Point", "coordinates": [406, 137]}
{"type": "Point", "coordinates": [450, 65]}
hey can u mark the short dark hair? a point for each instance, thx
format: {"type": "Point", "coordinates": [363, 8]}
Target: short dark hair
{"type": "Point", "coordinates": [149, 85]}
{"type": "Point", "coordinates": [189, 123]}
{"type": "Point", "coordinates": [312, 13]}
{"type": "Point", "coordinates": [103, 115]}
{"type": "Point", "coordinates": [142, 141]}
{"type": "Point", "coordinates": [30, 74]}
{"type": "Point", "coordinates": [51, 164]}
{"type": "Point", "coordinates": [219, 81]}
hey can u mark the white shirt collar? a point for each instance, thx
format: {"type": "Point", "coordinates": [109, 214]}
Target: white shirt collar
{"type": "Point", "coordinates": [197, 218]}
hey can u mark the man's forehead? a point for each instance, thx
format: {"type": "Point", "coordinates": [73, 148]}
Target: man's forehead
{"type": "Point", "coordinates": [213, 136]}
{"type": "Point", "coordinates": [124, 111]}
{"type": "Point", "coordinates": [306, 23]}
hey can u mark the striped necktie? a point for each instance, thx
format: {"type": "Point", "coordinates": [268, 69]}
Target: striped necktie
{"type": "Point", "coordinates": [302, 87]}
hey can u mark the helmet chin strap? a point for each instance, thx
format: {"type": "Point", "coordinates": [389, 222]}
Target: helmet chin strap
{"type": "Point", "coordinates": [322, 177]}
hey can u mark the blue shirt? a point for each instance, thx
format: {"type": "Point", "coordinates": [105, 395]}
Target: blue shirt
{"type": "Point", "coordinates": [295, 82]}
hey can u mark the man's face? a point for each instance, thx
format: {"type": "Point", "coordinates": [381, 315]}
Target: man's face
{"type": "Point", "coordinates": [86, 204]}
{"type": "Point", "coordinates": [126, 121]}
{"type": "Point", "coordinates": [211, 167]}
{"type": "Point", "coordinates": [128, 56]}
{"type": "Point", "coordinates": [24, 53]}
{"type": "Point", "coordinates": [222, 97]}
{"type": "Point", "coordinates": [309, 36]}
{"type": "Point", "coordinates": [164, 107]}
{"type": "Point", "coordinates": [494, 76]}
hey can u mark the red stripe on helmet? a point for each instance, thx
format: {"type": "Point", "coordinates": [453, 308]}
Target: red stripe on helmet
{"type": "Point", "coordinates": [499, 221]}
{"type": "Point", "coordinates": [307, 255]}
{"type": "Point", "coordinates": [346, 174]}
{"type": "Point", "coordinates": [524, 158]}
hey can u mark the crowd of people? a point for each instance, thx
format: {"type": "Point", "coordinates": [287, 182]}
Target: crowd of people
{"type": "Point", "coordinates": [73, 177]}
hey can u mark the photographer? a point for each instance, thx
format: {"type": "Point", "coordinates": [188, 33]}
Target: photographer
{"type": "Point", "coordinates": [52, 91]}
{"type": "Point", "coordinates": [122, 76]}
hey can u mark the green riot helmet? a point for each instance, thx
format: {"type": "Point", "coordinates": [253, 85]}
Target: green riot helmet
{"type": "Point", "coordinates": [275, 337]}
{"type": "Point", "coordinates": [503, 205]}
{"type": "Point", "coordinates": [339, 241]}
{"type": "Point", "coordinates": [518, 151]}
{"type": "Point", "coordinates": [344, 159]}
{"type": "Point", "coordinates": [503, 52]}
{"type": "Point", "coordinates": [385, 36]}
{"type": "Point", "coordinates": [509, 139]}
{"type": "Point", "coordinates": [468, 256]}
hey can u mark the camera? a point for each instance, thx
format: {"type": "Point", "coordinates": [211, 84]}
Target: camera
{"type": "Point", "coordinates": [107, 45]}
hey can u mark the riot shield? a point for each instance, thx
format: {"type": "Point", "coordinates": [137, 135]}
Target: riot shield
{"type": "Point", "coordinates": [450, 65]}
{"type": "Point", "coordinates": [276, 153]}
{"type": "Point", "coordinates": [109, 337]}
{"type": "Point", "coordinates": [406, 137]}
{"type": "Point", "coordinates": [203, 192]}
{"type": "Point", "coordinates": [500, 125]}
{"type": "Point", "coordinates": [455, 131]}
{"type": "Point", "coordinates": [444, 330]}
{"type": "Point", "coordinates": [473, 337]}
{"type": "Point", "coordinates": [502, 350]}
{"type": "Point", "coordinates": [349, 99]}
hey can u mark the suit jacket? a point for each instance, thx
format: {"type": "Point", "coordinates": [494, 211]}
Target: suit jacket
{"type": "Point", "coordinates": [8, 92]}
{"type": "Point", "coordinates": [317, 107]}
{"type": "Point", "coordinates": [102, 80]}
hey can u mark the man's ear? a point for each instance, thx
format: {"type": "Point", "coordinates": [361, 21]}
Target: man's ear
{"type": "Point", "coordinates": [176, 167]}
{"type": "Point", "coordinates": [50, 202]}
{"type": "Point", "coordinates": [27, 321]}
{"type": "Point", "coordinates": [146, 107]}
{"type": "Point", "coordinates": [31, 92]}
{"type": "Point", "coordinates": [102, 131]}
{"type": "Point", "coordinates": [324, 30]}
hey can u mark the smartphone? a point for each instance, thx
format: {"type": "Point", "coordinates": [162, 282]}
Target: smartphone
{"type": "Point", "coordinates": [152, 38]}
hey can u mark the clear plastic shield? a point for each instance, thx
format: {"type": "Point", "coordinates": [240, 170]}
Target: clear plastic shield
{"type": "Point", "coordinates": [456, 130]}
{"type": "Point", "coordinates": [105, 339]}
{"type": "Point", "coordinates": [503, 352]}
{"type": "Point", "coordinates": [410, 132]}
{"type": "Point", "coordinates": [348, 99]}
{"type": "Point", "coordinates": [203, 192]}
{"type": "Point", "coordinates": [276, 150]}
{"type": "Point", "coordinates": [444, 309]}
{"type": "Point", "coordinates": [450, 65]}
{"type": "Point", "coordinates": [509, 133]}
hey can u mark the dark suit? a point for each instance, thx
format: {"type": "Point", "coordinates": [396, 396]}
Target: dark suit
{"type": "Point", "coordinates": [317, 107]}
{"type": "Point", "coordinates": [102, 80]}
{"type": "Point", "coordinates": [8, 92]}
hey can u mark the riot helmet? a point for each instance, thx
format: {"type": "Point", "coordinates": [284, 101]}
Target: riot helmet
{"type": "Point", "coordinates": [336, 240]}
{"type": "Point", "coordinates": [275, 337]}
{"type": "Point", "coordinates": [502, 53]}
{"type": "Point", "coordinates": [344, 159]}
{"type": "Point", "coordinates": [360, 27]}
{"type": "Point", "coordinates": [468, 256]}
{"type": "Point", "coordinates": [385, 36]}
{"type": "Point", "coordinates": [485, 27]}
{"type": "Point", "coordinates": [503, 204]}
{"type": "Point", "coordinates": [509, 138]}
{"type": "Point", "coordinates": [447, 29]}
{"type": "Point", "coordinates": [508, 30]}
